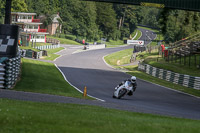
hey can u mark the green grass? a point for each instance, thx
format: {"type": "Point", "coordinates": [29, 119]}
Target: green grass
{"type": "Point", "coordinates": [119, 58]}
{"type": "Point", "coordinates": [113, 58]}
{"type": "Point", "coordinates": [51, 54]}
{"type": "Point", "coordinates": [36, 50]}
{"type": "Point", "coordinates": [112, 43]}
{"type": "Point", "coordinates": [151, 59]}
{"type": "Point", "coordinates": [31, 117]}
{"type": "Point", "coordinates": [134, 33]}
{"type": "Point", "coordinates": [65, 41]}
{"type": "Point", "coordinates": [43, 77]}
{"type": "Point", "coordinates": [175, 67]}
{"type": "Point", "coordinates": [39, 44]}
{"type": "Point", "coordinates": [139, 33]}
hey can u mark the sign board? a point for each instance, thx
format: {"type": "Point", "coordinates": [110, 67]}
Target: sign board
{"type": "Point", "coordinates": [135, 42]}
{"type": "Point", "coordinates": [193, 5]}
{"type": "Point", "coordinates": [8, 40]}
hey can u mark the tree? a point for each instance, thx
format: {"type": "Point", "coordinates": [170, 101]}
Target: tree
{"type": "Point", "coordinates": [178, 24]}
{"type": "Point", "coordinates": [19, 6]}
{"type": "Point", "coordinates": [127, 20]}
{"type": "Point", "coordinates": [2, 11]}
{"type": "Point", "coordinates": [107, 20]}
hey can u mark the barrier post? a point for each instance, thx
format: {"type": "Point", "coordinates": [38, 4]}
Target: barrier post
{"type": "Point", "coordinates": [85, 92]}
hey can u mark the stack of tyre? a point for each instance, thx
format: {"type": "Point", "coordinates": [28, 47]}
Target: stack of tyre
{"type": "Point", "coordinates": [12, 71]}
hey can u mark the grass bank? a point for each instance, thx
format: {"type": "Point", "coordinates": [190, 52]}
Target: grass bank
{"type": "Point", "coordinates": [51, 54]}
{"type": "Point", "coordinates": [113, 43]}
{"type": "Point", "coordinates": [36, 50]}
{"type": "Point", "coordinates": [133, 70]}
{"type": "Point", "coordinates": [175, 66]}
{"type": "Point", "coordinates": [20, 116]}
{"type": "Point", "coordinates": [119, 58]}
{"type": "Point", "coordinates": [139, 33]}
{"type": "Point", "coordinates": [64, 40]}
{"type": "Point", "coordinates": [43, 77]}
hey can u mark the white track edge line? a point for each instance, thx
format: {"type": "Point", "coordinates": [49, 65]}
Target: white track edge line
{"type": "Point", "coordinates": [58, 54]}
{"type": "Point", "coordinates": [76, 87]}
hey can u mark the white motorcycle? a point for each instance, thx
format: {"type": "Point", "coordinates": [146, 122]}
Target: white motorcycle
{"type": "Point", "coordinates": [127, 87]}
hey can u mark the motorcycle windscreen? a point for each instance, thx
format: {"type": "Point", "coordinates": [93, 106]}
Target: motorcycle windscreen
{"type": "Point", "coordinates": [128, 84]}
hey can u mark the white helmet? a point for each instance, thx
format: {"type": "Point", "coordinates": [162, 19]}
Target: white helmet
{"type": "Point", "coordinates": [133, 79]}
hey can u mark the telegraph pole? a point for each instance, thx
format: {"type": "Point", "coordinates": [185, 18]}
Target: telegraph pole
{"type": "Point", "coordinates": [8, 12]}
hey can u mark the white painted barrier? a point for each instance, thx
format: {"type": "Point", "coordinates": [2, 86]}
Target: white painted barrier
{"type": "Point", "coordinates": [99, 46]}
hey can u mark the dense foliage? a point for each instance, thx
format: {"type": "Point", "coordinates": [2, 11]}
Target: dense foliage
{"type": "Point", "coordinates": [94, 20]}
{"type": "Point", "coordinates": [178, 24]}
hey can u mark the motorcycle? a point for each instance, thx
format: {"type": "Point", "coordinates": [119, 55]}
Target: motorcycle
{"type": "Point", "coordinates": [124, 88]}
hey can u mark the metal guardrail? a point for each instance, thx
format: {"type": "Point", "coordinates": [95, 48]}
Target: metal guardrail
{"type": "Point", "coordinates": [181, 79]}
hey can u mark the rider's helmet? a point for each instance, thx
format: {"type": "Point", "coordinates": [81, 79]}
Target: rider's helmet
{"type": "Point", "coordinates": [133, 79]}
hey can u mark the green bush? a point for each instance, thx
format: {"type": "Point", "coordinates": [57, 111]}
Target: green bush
{"type": "Point", "coordinates": [70, 37]}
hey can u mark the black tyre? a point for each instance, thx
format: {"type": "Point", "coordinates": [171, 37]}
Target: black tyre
{"type": "Point", "coordinates": [122, 92]}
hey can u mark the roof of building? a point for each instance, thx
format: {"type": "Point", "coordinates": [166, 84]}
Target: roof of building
{"type": "Point", "coordinates": [30, 23]}
{"type": "Point", "coordinates": [34, 33]}
{"type": "Point", "coordinates": [22, 13]}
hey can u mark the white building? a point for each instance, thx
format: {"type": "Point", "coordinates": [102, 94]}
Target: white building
{"type": "Point", "coordinates": [30, 27]}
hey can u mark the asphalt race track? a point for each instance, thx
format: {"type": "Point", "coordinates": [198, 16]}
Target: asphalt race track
{"type": "Point", "coordinates": [89, 69]}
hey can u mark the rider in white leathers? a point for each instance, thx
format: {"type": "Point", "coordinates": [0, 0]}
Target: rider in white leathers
{"type": "Point", "coordinates": [131, 86]}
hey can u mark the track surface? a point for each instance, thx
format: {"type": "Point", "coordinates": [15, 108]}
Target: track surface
{"type": "Point", "coordinates": [89, 69]}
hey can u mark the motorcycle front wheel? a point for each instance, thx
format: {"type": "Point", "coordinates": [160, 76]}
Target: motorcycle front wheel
{"type": "Point", "coordinates": [122, 92]}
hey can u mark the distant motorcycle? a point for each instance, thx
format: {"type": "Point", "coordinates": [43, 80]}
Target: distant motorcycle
{"type": "Point", "coordinates": [127, 87]}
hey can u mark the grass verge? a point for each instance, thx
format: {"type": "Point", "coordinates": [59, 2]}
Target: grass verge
{"type": "Point", "coordinates": [36, 50]}
{"type": "Point", "coordinates": [43, 77]}
{"type": "Point", "coordinates": [20, 116]}
{"type": "Point", "coordinates": [38, 44]}
{"type": "Point", "coordinates": [51, 54]}
{"type": "Point", "coordinates": [113, 43]}
{"type": "Point", "coordinates": [119, 58]}
{"type": "Point", "coordinates": [138, 35]}
{"type": "Point", "coordinates": [64, 40]}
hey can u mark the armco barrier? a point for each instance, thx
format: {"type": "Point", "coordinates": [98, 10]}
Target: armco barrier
{"type": "Point", "coordinates": [181, 79]}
